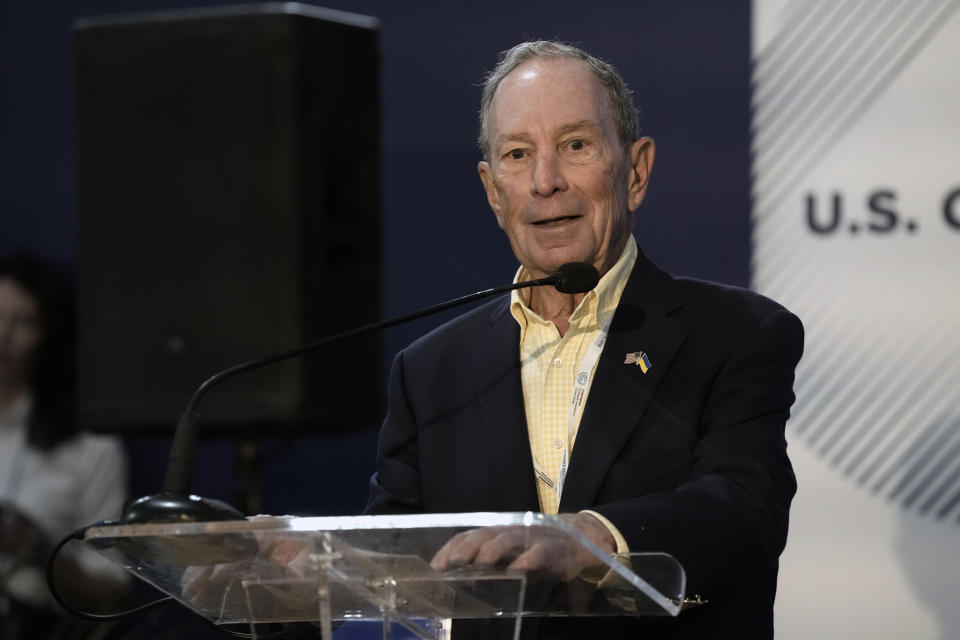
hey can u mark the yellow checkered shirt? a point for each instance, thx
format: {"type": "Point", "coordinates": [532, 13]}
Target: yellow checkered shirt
{"type": "Point", "coordinates": [549, 363]}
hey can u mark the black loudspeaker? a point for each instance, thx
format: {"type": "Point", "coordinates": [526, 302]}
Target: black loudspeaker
{"type": "Point", "coordinates": [228, 203]}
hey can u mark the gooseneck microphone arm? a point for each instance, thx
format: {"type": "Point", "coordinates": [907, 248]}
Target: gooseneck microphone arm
{"type": "Point", "coordinates": [174, 503]}
{"type": "Point", "coordinates": [180, 466]}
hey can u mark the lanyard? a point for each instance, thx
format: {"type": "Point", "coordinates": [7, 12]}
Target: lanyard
{"type": "Point", "coordinates": [581, 383]}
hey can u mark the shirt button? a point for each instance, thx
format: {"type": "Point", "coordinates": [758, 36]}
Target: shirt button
{"type": "Point", "coordinates": [557, 444]}
{"type": "Point", "coordinates": [558, 362]}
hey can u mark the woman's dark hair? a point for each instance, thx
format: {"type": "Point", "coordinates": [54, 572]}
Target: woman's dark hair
{"type": "Point", "coordinates": [53, 381]}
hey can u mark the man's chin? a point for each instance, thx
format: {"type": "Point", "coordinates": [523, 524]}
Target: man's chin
{"type": "Point", "coordinates": [546, 268]}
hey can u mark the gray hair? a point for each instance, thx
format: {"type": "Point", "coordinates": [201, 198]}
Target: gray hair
{"type": "Point", "coordinates": [621, 100]}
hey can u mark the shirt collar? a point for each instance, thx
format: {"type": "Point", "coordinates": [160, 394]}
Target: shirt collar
{"type": "Point", "coordinates": [602, 299]}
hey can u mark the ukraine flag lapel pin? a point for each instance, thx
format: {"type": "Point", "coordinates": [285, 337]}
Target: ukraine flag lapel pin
{"type": "Point", "coordinates": [640, 359]}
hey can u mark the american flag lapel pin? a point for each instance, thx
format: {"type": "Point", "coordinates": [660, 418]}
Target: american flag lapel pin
{"type": "Point", "coordinates": [640, 359]}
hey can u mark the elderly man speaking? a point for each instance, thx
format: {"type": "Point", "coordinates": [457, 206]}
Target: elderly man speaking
{"type": "Point", "coordinates": [676, 442]}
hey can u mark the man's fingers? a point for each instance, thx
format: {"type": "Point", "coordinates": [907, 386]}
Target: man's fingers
{"type": "Point", "coordinates": [520, 548]}
{"type": "Point", "coordinates": [534, 559]}
{"type": "Point", "coordinates": [284, 551]}
{"type": "Point", "coordinates": [441, 558]}
{"type": "Point", "coordinates": [199, 582]}
{"type": "Point", "coordinates": [487, 546]}
{"type": "Point", "coordinates": [506, 545]}
{"type": "Point", "coordinates": [459, 550]}
{"type": "Point", "coordinates": [193, 582]}
{"type": "Point", "coordinates": [559, 560]}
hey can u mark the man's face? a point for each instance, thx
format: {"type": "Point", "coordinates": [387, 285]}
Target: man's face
{"type": "Point", "coordinates": [558, 179]}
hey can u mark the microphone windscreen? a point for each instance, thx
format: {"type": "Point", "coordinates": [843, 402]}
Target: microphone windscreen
{"type": "Point", "coordinates": [576, 277]}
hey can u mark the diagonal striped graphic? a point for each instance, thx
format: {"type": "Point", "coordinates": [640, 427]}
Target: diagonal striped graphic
{"type": "Point", "coordinates": [829, 101]}
{"type": "Point", "coordinates": [784, 51]}
{"type": "Point", "coordinates": [777, 102]}
{"type": "Point", "coordinates": [878, 389]}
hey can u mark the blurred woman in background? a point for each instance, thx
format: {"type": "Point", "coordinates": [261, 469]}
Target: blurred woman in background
{"type": "Point", "coordinates": [53, 478]}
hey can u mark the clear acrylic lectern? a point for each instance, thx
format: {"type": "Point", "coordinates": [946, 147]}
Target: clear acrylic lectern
{"type": "Point", "coordinates": [377, 569]}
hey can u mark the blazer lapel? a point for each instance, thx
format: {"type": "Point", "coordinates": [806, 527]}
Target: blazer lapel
{"type": "Point", "coordinates": [499, 391]}
{"type": "Point", "coordinates": [620, 393]}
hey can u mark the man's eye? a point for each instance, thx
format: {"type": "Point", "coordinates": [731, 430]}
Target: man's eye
{"type": "Point", "coordinates": [517, 154]}
{"type": "Point", "coordinates": [577, 144]}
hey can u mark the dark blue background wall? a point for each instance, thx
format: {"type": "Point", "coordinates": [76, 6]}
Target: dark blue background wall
{"type": "Point", "coordinates": [688, 64]}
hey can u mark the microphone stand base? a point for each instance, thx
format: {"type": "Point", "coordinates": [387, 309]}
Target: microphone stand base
{"type": "Point", "coordinates": [171, 507]}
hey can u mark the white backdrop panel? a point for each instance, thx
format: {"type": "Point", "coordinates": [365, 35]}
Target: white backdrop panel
{"type": "Point", "coordinates": [856, 228]}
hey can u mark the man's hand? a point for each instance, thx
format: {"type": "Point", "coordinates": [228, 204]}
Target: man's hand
{"type": "Point", "coordinates": [278, 556]}
{"type": "Point", "coordinates": [529, 548]}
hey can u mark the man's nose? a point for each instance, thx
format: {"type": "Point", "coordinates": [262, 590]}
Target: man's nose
{"type": "Point", "coordinates": [548, 175]}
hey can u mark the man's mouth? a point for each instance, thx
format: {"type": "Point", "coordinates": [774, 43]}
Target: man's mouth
{"type": "Point", "coordinates": [554, 221]}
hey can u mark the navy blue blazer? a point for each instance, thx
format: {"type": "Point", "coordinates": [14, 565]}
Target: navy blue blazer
{"type": "Point", "coordinates": [689, 458]}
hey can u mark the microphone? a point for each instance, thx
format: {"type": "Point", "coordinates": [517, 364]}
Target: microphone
{"type": "Point", "coordinates": [576, 277]}
{"type": "Point", "coordinates": [175, 504]}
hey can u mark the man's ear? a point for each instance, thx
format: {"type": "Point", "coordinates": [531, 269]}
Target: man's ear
{"type": "Point", "coordinates": [641, 164]}
{"type": "Point", "coordinates": [489, 185]}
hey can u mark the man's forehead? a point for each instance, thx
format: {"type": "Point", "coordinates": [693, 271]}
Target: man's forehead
{"type": "Point", "coordinates": [556, 92]}
{"type": "Point", "coordinates": [549, 74]}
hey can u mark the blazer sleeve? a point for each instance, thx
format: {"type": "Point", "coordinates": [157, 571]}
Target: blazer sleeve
{"type": "Point", "coordinates": [395, 487]}
{"type": "Point", "coordinates": [728, 517]}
